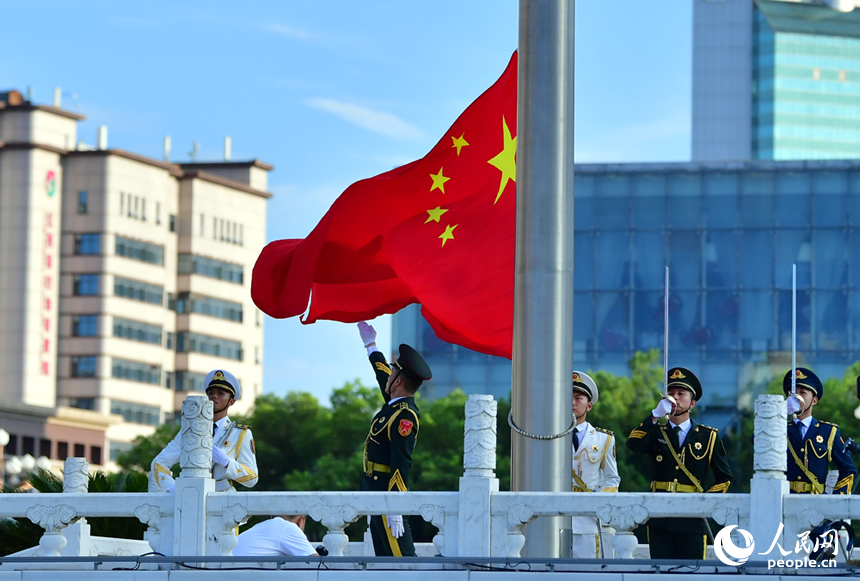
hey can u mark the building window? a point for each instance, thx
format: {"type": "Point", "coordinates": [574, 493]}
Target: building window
{"type": "Point", "coordinates": [44, 447]}
{"type": "Point", "coordinates": [158, 212]}
{"type": "Point", "coordinates": [82, 202]}
{"type": "Point", "coordinates": [241, 236]}
{"type": "Point", "coordinates": [168, 379]}
{"type": "Point", "coordinates": [137, 331]}
{"type": "Point", "coordinates": [258, 316]}
{"type": "Point", "coordinates": [143, 209]}
{"type": "Point", "coordinates": [83, 403]}
{"type": "Point", "coordinates": [121, 203]}
{"type": "Point", "coordinates": [85, 285]}
{"type": "Point", "coordinates": [256, 354]}
{"type": "Point", "coordinates": [193, 264]}
{"type": "Point", "coordinates": [136, 413]}
{"type": "Point", "coordinates": [12, 447]}
{"type": "Point", "coordinates": [215, 346]}
{"type": "Point", "coordinates": [84, 326]}
{"type": "Point", "coordinates": [138, 250]}
{"type": "Point", "coordinates": [88, 243]}
{"type": "Point", "coordinates": [202, 224]}
{"type": "Point", "coordinates": [80, 451]}
{"type": "Point", "coordinates": [188, 303]}
{"type": "Point", "coordinates": [96, 454]}
{"type": "Point", "coordinates": [138, 291]}
{"type": "Point", "coordinates": [117, 448]}
{"type": "Point", "coordinates": [29, 445]}
{"type": "Point", "coordinates": [136, 371]}
{"type": "Point", "coordinates": [84, 366]}
{"type": "Point", "coordinates": [222, 229]}
{"type": "Point", "coordinates": [62, 450]}
{"type": "Point", "coordinates": [190, 381]}
{"type": "Point", "coordinates": [172, 223]}
{"type": "Point", "coordinates": [171, 340]}
{"type": "Point", "coordinates": [214, 228]}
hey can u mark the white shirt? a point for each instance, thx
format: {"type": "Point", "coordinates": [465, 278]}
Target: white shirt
{"type": "Point", "coordinates": [273, 537]}
{"type": "Point", "coordinates": [803, 425]}
{"type": "Point", "coordinates": [682, 434]}
{"type": "Point", "coordinates": [219, 425]}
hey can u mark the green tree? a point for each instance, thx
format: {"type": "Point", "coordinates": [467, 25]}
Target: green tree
{"type": "Point", "coordinates": [146, 448]}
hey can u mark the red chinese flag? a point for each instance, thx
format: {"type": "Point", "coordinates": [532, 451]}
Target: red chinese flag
{"type": "Point", "coordinates": [439, 231]}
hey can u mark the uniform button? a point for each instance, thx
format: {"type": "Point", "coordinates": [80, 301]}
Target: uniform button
{"type": "Point", "coordinates": [376, 477]}
{"type": "Point", "coordinates": [798, 477]}
{"type": "Point", "coordinates": [677, 468]}
{"type": "Point", "coordinates": [676, 480]}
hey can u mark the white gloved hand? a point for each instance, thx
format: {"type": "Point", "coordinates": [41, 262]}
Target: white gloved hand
{"type": "Point", "coordinates": [171, 490]}
{"type": "Point", "coordinates": [395, 524]}
{"type": "Point", "coordinates": [663, 408]}
{"type": "Point", "coordinates": [794, 404]}
{"type": "Point", "coordinates": [367, 333]}
{"type": "Point", "coordinates": [219, 457]}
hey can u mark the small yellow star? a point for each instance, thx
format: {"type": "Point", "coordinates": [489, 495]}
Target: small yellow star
{"type": "Point", "coordinates": [439, 181]}
{"type": "Point", "coordinates": [448, 234]}
{"type": "Point", "coordinates": [435, 214]}
{"type": "Point", "coordinates": [459, 143]}
{"type": "Point", "coordinates": [506, 161]}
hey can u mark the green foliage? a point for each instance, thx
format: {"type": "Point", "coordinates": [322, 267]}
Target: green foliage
{"type": "Point", "coordinates": [20, 533]}
{"type": "Point", "coordinates": [146, 448]}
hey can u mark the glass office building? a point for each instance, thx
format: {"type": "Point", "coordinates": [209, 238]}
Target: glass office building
{"type": "Point", "coordinates": [775, 79]}
{"type": "Point", "coordinates": [729, 233]}
{"type": "Point", "coordinates": [805, 82]}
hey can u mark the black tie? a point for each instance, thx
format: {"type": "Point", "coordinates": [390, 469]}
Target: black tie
{"type": "Point", "coordinates": [576, 440]}
{"type": "Point", "coordinates": [677, 430]}
{"type": "Point", "coordinates": [214, 427]}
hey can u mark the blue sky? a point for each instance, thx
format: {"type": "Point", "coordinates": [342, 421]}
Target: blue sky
{"type": "Point", "coordinates": [333, 91]}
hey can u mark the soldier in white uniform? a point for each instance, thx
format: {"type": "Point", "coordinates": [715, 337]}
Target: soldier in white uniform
{"type": "Point", "coordinates": [594, 466]}
{"type": "Point", "coordinates": [233, 453]}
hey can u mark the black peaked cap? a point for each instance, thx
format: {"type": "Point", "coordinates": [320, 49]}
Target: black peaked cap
{"type": "Point", "coordinates": [805, 378]}
{"type": "Point", "coordinates": [413, 365]}
{"type": "Point", "coordinates": [683, 377]}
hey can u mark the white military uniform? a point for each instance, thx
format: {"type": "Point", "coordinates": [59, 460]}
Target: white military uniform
{"type": "Point", "coordinates": [594, 470]}
{"type": "Point", "coordinates": [235, 441]}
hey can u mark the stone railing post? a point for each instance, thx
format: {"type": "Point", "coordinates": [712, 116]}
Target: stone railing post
{"type": "Point", "coordinates": [479, 481]}
{"type": "Point", "coordinates": [768, 486]}
{"type": "Point", "coordinates": [76, 477]}
{"type": "Point", "coordinates": [195, 478]}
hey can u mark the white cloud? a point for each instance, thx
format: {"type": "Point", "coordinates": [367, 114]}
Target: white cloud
{"type": "Point", "coordinates": [289, 31]}
{"type": "Point", "coordinates": [376, 121]}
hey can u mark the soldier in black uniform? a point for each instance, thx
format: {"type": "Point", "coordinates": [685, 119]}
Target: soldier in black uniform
{"type": "Point", "coordinates": [388, 447]}
{"type": "Point", "coordinates": [681, 453]}
{"type": "Point", "coordinates": [813, 444]}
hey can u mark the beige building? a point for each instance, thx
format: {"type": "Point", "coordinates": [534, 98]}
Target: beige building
{"type": "Point", "coordinates": [125, 279]}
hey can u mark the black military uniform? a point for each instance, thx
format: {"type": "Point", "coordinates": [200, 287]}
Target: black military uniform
{"type": "Point", "coordinates": [677, 468]}
{"type": "Point", "coordinates": [810, 455]}
{"type": "Point", "coordinates": [388, 448]}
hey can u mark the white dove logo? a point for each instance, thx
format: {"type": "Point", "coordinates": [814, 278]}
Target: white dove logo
{"type": "Point", "coordinates": [724, 546]}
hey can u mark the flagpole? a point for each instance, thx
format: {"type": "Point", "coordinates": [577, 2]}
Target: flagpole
{"type": "Point", "coordinates": [541, 395]}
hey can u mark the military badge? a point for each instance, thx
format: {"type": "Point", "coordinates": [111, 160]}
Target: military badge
{"type": "Point", "coordinates": [405, 428]}
{"type": "Point", "coordinates": [677, 375]}
{"type": "Point", "coordinates": [819, 439]}
{"type": "Point", "coordinates": [697, 445]}
{"type": "Point", "coordinates": [659, 458]}
{"type": "Point", "coordinates": [594, 448]}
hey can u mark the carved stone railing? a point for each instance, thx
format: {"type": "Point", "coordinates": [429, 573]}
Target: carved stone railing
{"type": "Point", "coordinates": [623, 511]}
{"type": "Point", "coordinates": [475, 521]}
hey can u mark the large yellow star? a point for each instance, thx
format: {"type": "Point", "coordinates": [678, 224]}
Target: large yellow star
{"type": "Point", "coordinates": [448, 234]}
{"type": "Point", "coordinates": [459, 143]}
{"type": "Point", "coordinates": [439, 181]}
{"type": "Point", "coordinates": [506, 161]}
{"type": "Point", "coordinates": [435, 214]}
